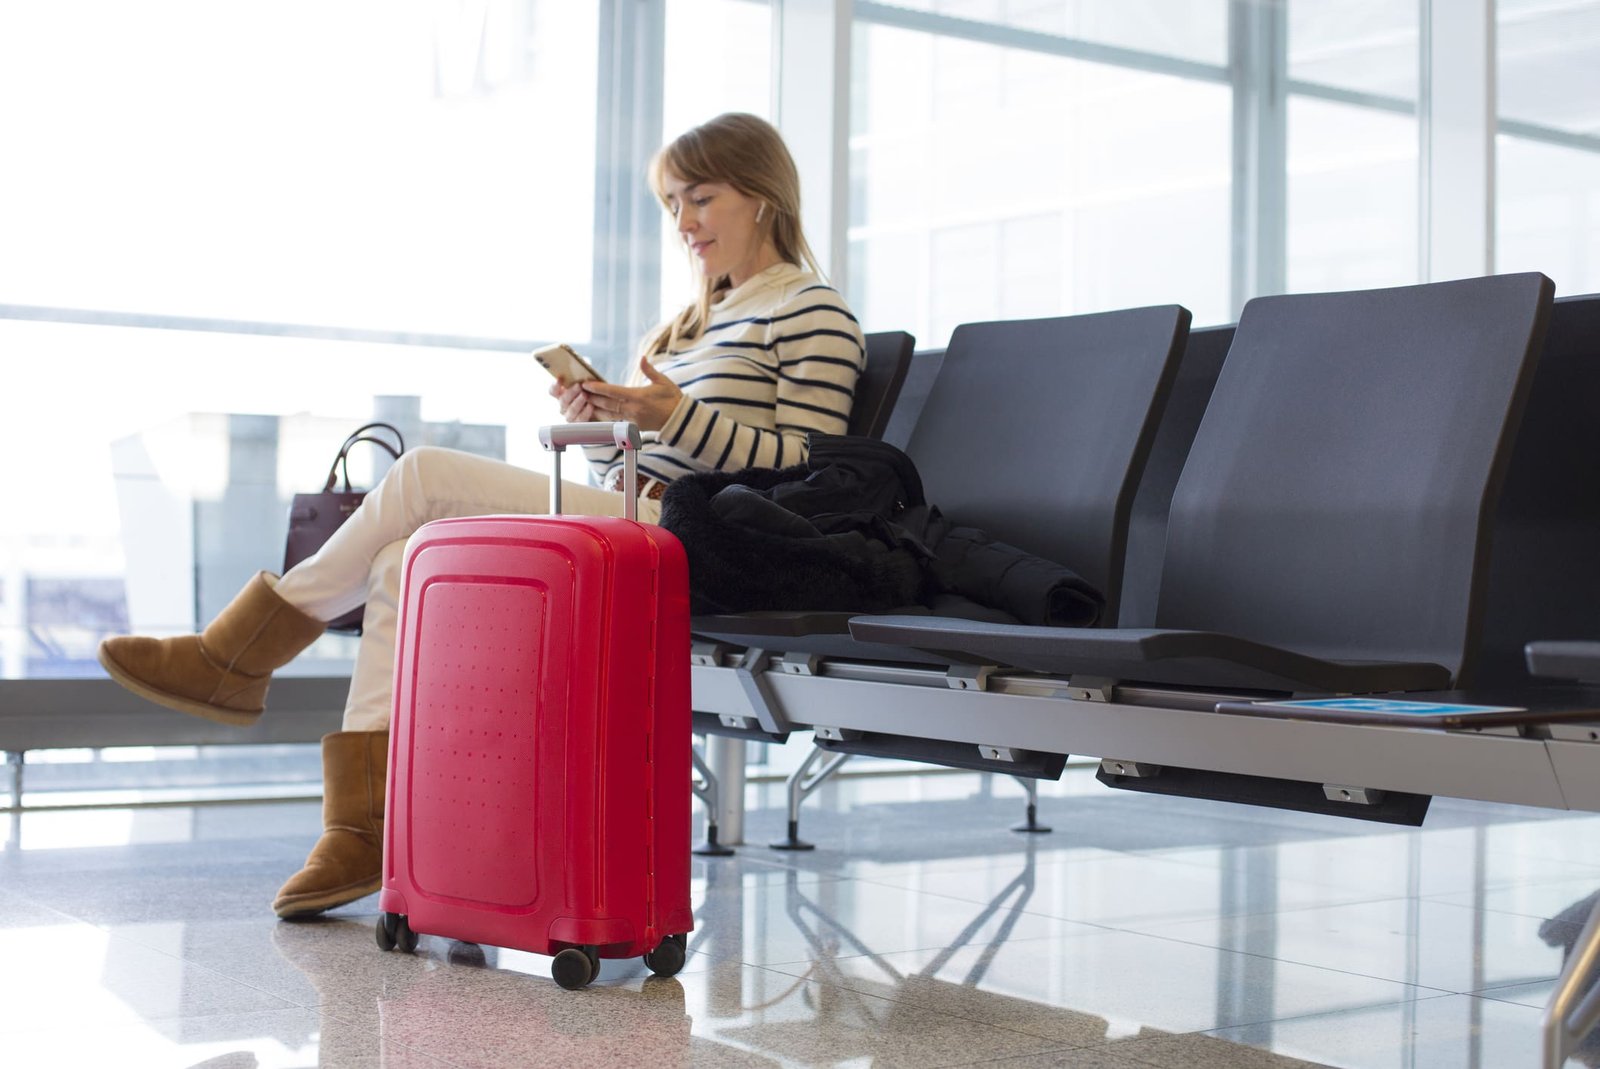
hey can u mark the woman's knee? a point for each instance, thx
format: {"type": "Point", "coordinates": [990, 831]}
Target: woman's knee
{"type": "Point", "coordinates": [421, 471]}
{"type": "Point", "coordinates": [420, 460]}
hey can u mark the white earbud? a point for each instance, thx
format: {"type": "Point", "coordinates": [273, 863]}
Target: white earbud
{"type": "Point", "coordinates": [761, 213]}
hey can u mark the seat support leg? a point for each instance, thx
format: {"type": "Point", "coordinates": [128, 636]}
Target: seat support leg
{"type": "Point", "coordinates": [1571, 1012]}
{"type": "Point", "coordinates": [15, 759]}
{"type": "Point", "coordinates": [800, 788]}
{"type": "Point", "coordinates": [707, 791]}
{"type": "Point", "coordinates": [1030, 823]}
{"type": "Point", "coordinates": [726, 759]}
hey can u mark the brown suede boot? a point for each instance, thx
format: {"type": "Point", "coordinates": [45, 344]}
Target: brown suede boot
{"type": "Point", "coordinates": [347, 862]}
{"type": "Point", "coordinates": [222, 673]}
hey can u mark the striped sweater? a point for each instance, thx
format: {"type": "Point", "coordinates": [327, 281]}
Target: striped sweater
{"type": "Point", "coordinates": [778, 361]}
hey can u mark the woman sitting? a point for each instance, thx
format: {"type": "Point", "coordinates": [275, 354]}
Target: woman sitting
{"type": "Point", "coordinates": [767, 354]}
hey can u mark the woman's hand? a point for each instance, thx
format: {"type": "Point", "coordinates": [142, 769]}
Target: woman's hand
{"type": "Point", "coordinates": [575, 406]}
{"type": "Point", "coordinates": [648, 406]}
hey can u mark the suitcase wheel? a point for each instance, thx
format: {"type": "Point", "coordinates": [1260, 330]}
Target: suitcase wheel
{"type": "Point", "coordinates": [395, 932]}
{"type": "Point", "coordinates": [667, 958]}
{"type": "Point", "coordinates": [574, 968]}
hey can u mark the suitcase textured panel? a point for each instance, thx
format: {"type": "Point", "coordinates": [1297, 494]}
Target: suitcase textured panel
{"type": "Point", "coordinates": [539, 751]}
{"type": "Point", "coordinates": [471, 737]}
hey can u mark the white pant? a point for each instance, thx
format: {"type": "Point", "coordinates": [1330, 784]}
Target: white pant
{"type": "Point", "coordinates": [362, 561]}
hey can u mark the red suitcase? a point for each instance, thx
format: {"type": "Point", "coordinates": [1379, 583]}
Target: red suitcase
{"type": "Point", "coordinates": [540, 745]}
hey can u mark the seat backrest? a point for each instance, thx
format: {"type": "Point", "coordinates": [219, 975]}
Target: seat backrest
{"type": "Point", "coordinates": [1544, 570]}
{"type": "Point", "coordinates": [920, 376]}
{"type": "Point", "coordinates": [1037, 431]}
{"type": "Point", "coordinates": [888, 355]}
{"type": "Point", "coordinates": [1147, 528]}
{"type": "Point", "coordinates": [1337, 496]}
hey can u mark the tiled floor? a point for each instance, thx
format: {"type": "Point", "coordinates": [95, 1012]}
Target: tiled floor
{"type": "Point", "coordinates": [1142, 932]}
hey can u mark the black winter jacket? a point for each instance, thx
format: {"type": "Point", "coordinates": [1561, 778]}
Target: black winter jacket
{"type": "Point", "coordinates": [849, 530]}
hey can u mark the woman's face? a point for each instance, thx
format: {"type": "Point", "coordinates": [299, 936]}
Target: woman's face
{"type": "Point", "coordinates": [719, 225]}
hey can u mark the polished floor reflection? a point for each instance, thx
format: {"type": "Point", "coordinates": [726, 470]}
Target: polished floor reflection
{"type": "Point", "coordinates": [1142, 932]}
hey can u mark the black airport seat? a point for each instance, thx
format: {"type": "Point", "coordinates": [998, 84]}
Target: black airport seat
{"type": "Point", "coordinates": [889, 359]}
{"type": "Point", "coordinates": [914, 391]}
{"type": "Point", "coordinates": [878, 388]}
{"type": "Point", "coordinates": [1545, 575]}
{"type": "Point", "coordinates": [1035, 431]}
{"type": "Point", "coordinates": [892, 365]}
{"type": "Point", "coordinates": [1544, 570]}
{"type": "Point", "coordinates": [1329, 530]}
{"type": "Point", "coordinates": [1147, 528]}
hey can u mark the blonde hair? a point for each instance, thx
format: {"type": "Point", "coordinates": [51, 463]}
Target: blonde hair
{"type": "Point", "coordinates": [748, 154]}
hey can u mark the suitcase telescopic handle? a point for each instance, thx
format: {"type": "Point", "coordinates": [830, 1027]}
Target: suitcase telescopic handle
{"type": "Point", "coordinates": [625, 436]}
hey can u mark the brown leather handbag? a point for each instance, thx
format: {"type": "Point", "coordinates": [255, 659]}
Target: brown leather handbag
{"type": "Point", "coordinates": [314, 517]}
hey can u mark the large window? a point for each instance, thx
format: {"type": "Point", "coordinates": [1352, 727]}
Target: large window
{"type": "Point", "coordinates": [1352, 144]}
{"type": "Point", "coordinates": [1548, 149]}
{"type": "Point", "coordinates": [1000, 174]}
{"type": "Point", "coordinates": [1052, 157]}
{"type": "Point", "coordinates": [1181, 30]}
{"type": "Point", "coordinates": [411, 166]}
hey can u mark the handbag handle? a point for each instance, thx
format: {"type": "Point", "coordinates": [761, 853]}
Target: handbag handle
{"type": "Point", "coordinates": [342, 461]}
